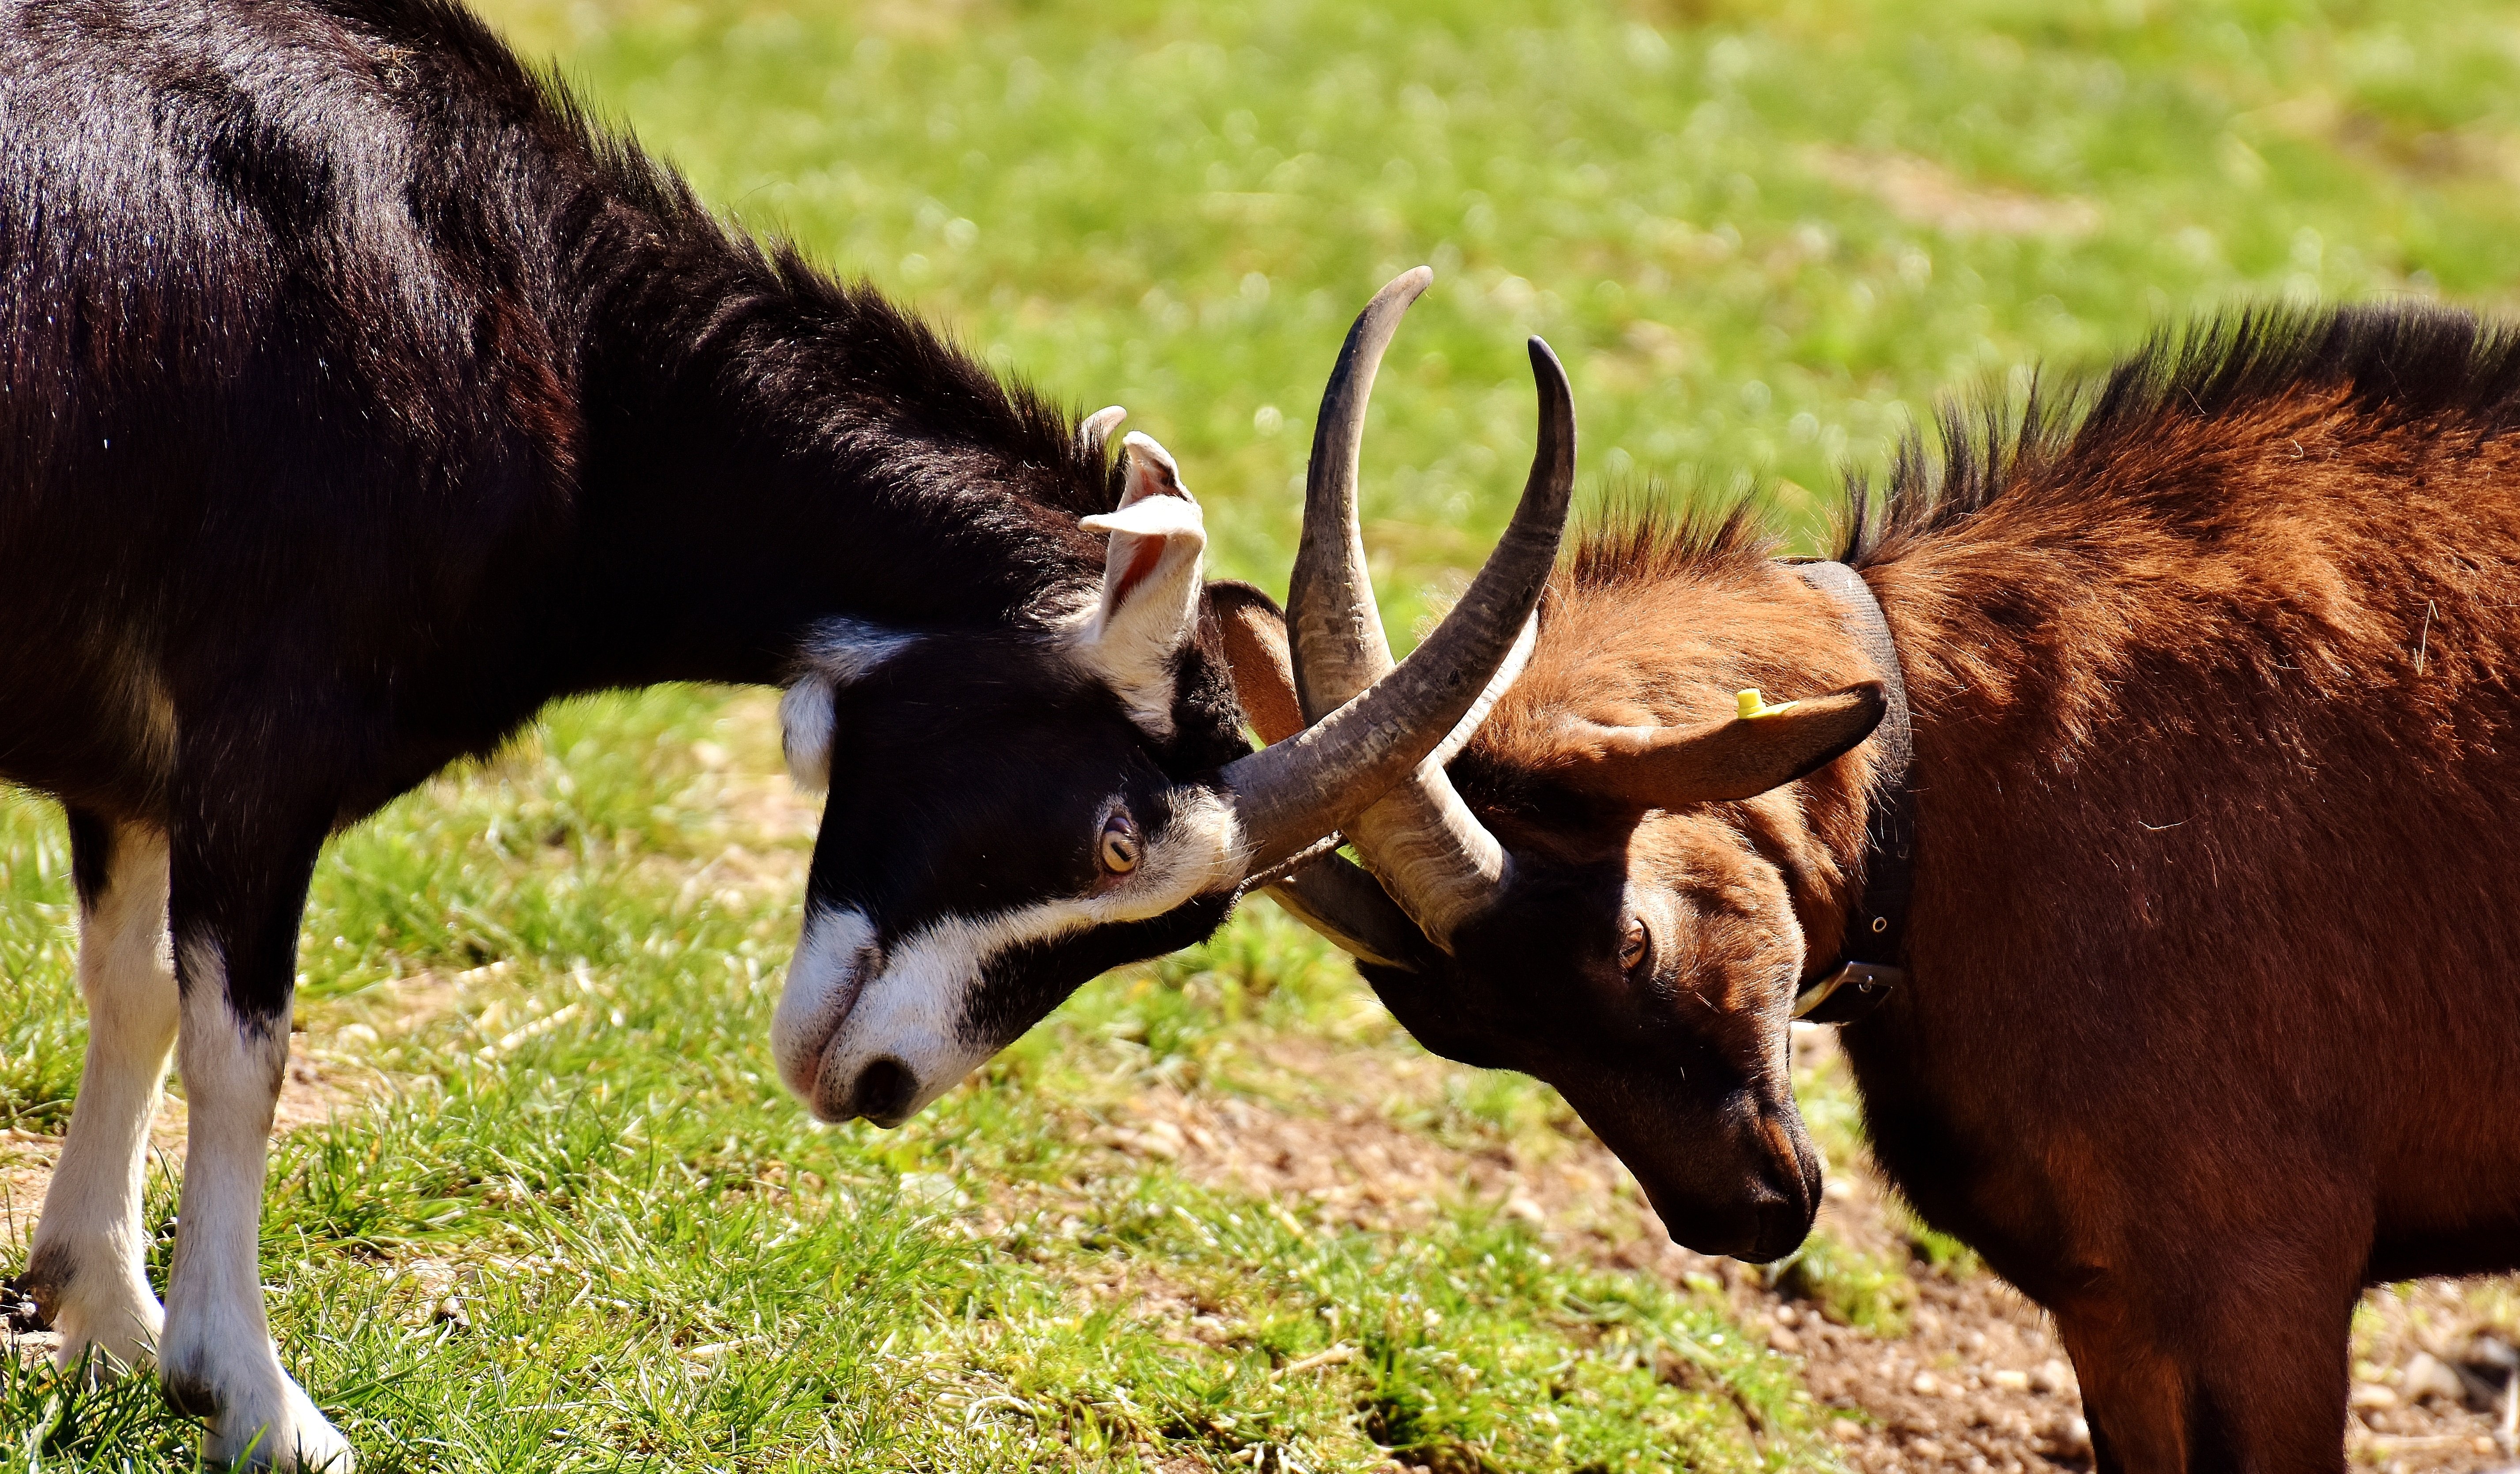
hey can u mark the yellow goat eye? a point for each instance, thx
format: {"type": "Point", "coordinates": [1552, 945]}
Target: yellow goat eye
{"type": "Point", "coordinates": [1119, 848]}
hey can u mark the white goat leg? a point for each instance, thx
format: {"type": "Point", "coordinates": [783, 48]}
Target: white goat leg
{"type": "Point", "coordinates": [87, 1267]}
{"type": "Point", "coordinates": [217, 1360]}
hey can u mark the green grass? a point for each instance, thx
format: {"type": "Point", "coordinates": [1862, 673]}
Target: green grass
{"type": "Point", "coordinates": [1179, 206]}
{"type": "Point", "coordinates": [614, 1242]}
{"type": "Point", "coordinates": [1846, 1284]}
{"type": "Point", "coordinates": [582, 1229]}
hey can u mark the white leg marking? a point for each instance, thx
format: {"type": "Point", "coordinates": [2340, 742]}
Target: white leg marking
{"type": "Point", "coordinates": [217, 1359]}
{"type": "Point", "coordinates": [87, 1266]}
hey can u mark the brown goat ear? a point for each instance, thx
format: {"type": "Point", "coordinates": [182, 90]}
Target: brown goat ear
{"type": "Point", "coordinates": [1256, 651]}
{"type": "Point", "coordinates": [1742, 757]}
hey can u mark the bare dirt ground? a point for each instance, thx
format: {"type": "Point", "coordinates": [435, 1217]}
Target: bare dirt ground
{"type": "Point", "coordinates": [1977, 1381]}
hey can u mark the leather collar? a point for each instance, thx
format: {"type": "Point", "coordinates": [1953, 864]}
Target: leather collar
{"type": "Point", "coordinates": [1871, 958]}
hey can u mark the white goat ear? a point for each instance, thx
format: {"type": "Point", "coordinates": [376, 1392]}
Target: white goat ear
{"type": "Point", "coordinates": [1150, 582]}
{"type": "Point", "coordinates": [835, 652]}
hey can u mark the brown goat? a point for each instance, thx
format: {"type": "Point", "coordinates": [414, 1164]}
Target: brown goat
{"type": "Point", "coordinates": [2211, 1015]}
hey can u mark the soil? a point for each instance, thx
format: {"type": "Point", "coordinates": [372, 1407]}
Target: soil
{"type": "Point", "coordinates": [1977, 1381]}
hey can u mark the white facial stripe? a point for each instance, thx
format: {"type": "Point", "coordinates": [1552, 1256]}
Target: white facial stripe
{"type": "Point", "coordinates": [835, 950]}
{"type": "Point", "coordinates": [912, 1009]}
{"type": "Point", "coordinates": [835, 653]}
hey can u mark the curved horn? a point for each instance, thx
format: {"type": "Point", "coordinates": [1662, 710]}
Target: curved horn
{"type": "Point", "coordinates": [1333, 626]}
{"type": "Point", "coordinates": [1097, 427]}
{"type": "Point", "coordinates": [1344, 904]}
{"type": "Point", "coordinates": [1327, 893]}
{"type": "Point", "coordinates": [1287, 796]}
{"type": "Point", "coordinates": [1434, 855]}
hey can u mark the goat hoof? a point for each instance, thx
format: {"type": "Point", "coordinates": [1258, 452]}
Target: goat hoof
{"type": "Point", "coordinates": [107, 1323]}
{"type": "Point", "coordinates": [21, 1311]}
{"type": "Point", "coordinates": [274, 1428]}
{"type": "Point", "coordinates": [191, 1397]}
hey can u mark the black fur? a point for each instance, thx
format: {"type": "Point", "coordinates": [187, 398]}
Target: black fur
{"type": "Point", "coordinates": [91, 857]}
{"type": "Point", "coordinates": [359, 397]}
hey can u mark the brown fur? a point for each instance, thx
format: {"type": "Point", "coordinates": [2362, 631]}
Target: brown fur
{"type": "Point", "coordinates": [2212, 1019]}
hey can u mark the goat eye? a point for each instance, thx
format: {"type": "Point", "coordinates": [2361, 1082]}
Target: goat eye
{"type": "Point", "coordinates": [1118, 851]}
{"type": "Point", "coordinates": [1635, 944]}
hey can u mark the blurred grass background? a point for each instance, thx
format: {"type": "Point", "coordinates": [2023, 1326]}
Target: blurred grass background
{"type": "Point", "coordinates": [1762, 234]}
{"type": "Point", "coordinates": [584, 1230]}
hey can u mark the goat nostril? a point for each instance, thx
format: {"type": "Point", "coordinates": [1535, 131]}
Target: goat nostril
{"type": "Point", "coordinates": [883, 1092]}
{"type": "Point", "coordinates": [1778, 1222]}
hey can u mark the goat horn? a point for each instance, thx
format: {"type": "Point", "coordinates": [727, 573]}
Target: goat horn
{"type": "Point", "coordinates": [1344, 904]}
{"type": "Point", "coordinates": [1098, 427]}
{"type": "Point", "coordinates": [1438, 861]}
{"type": "Point", "coordinates": [1287, 796]}
{"type": "Point", "coordinates": [1327, 893]}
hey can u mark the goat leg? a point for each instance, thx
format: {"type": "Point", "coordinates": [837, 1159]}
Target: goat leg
{"type": "Point", "coordinates": [87, 1272]}
{"type": "Point", "coordinates": [2224, 1374]}
{"type": "Point", "coordinates": [235, 908]}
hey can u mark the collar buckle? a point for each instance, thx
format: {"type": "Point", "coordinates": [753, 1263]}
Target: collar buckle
{"type": "Point", "coordinates": [1848, 994]}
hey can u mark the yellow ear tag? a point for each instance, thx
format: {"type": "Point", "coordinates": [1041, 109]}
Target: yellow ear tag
{"type": "Point", "coordinates": [1751, 704]}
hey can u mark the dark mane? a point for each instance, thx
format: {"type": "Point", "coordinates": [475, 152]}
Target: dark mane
{"type": "Point", "coordinates": [745, 286]}
{"type": "Point", "coordinates": [2394, 364]}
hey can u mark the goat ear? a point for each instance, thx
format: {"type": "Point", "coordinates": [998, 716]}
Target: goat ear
{"type": "Point", "coordinates": [1149, 607]}
{"type": "Point", "coordinates": [1741, 757]}
{"type": "Point", "coordinates": [1257, 654]}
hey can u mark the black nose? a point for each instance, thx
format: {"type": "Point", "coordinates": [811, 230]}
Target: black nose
{"type": "Point", "coordinates": [1788, 1205]}
{"type": "Point", "coordinates": [1783, 1223]}
{"type": "Point", "coordinates": [883, 1093]}
{"type": "Point", "coordinates": [1761, 1219]}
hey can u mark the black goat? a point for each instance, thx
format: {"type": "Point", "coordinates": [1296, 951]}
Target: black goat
{"type": "Point", "coordinates": [359, 398]}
